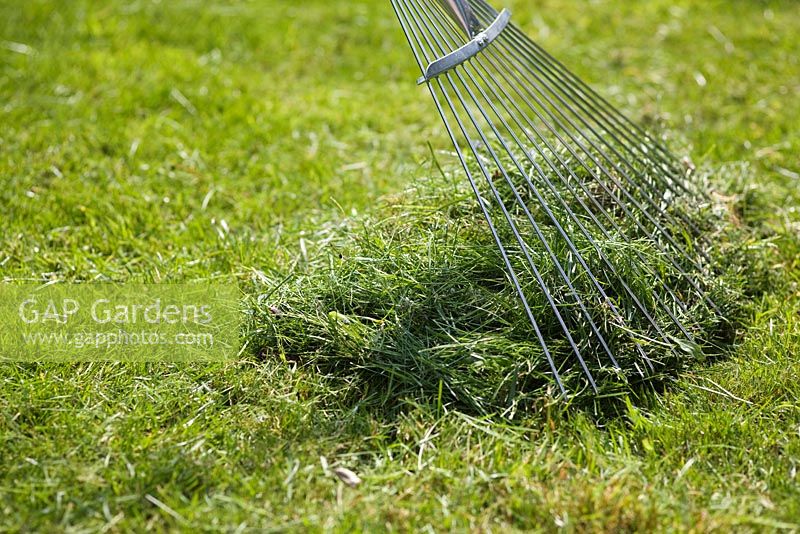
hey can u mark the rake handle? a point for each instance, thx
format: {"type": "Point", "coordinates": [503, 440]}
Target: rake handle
{"type": "Point", "coordinates": [461, 12]}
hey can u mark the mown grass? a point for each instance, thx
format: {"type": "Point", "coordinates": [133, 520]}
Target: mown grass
{"type": "Point", "coordinates": [416, 306]}
{"type": "Point", "coordinates": [171, 141]}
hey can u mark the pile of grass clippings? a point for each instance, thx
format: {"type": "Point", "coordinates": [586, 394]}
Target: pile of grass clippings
{"type": "Point", "coordinates": [411, 303]}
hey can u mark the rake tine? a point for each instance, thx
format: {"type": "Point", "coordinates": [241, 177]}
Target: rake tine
{"type": "Point", "coordinates": [619, 202]}
{"type": "Point", "coordinates": [572, 216]}
{"type": "Point", "coordinates": [573, 84]}
{"type": "Point", "coordinates": [542, 174]}
{"type": "Point", "coordinates": [515, 35]}
{"type": "Point", "coordinates": [513, 226]}
{"type": "Point", "coordinates": [591, 275]}
{"type": "Point", "coordinates": [553, 152]}
{"type": "Point", "coordinates": [515, 230]}
{"type": "Point", "coordinates": [544, 206]}
{"type": "Point", "coordinates": [628, 147]}
{"type": "Point", "coordinates": [605, 171]}
{"type": "Point", "coordinates": [409, 31]}
{"type": "Point", "coordinates": [647, 198]}
{"type": "Point", "coordinates": [580, 183]}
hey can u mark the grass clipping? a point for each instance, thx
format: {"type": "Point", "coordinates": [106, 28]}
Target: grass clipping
{"type": "Point", "coordinates": [412, 303]}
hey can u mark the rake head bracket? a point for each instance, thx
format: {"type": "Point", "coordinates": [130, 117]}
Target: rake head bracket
{"type": "Point", "coordinates": [472, 48]}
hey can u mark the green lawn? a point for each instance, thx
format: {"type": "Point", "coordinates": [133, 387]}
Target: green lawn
{"type": "Point", "coordinates": [184, 140]}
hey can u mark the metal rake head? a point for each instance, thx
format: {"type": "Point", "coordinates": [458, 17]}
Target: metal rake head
{"type": "Point", "coordinates": [585, 207]}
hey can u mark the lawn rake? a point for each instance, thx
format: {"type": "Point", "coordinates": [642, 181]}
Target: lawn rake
{"type": "Point", "coordinates": [587, 210]}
